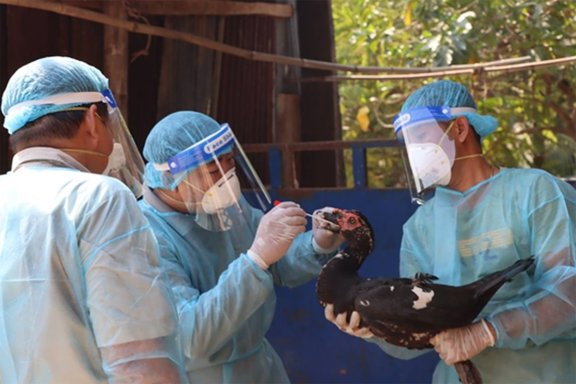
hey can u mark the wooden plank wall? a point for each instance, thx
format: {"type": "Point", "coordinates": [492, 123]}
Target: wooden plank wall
{"type": "Point", "coordinates": [246, 92]}
{"type": "Point", "coordinates": [167, 75]}
{"type": "Point", "coordinates": [319, 101]}
{"type": "Point", "coordinates": [31, 34]}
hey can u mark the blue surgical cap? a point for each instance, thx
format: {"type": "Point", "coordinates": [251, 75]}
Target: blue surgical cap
{"type": "Point", "coordinates": [446, 93]}
{"type": "Point", "coordinates": [47, 77]}
{"type": "Point", "coordinates": [170, 136]}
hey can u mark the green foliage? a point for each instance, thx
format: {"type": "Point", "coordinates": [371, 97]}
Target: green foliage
{"type": "Point", "coordinates": [536, 108]}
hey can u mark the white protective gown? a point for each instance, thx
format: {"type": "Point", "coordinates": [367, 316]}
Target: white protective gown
{"type": "Point", "coordinates": [225, 301]}
{"type": "Point", "coordinates": [78, 274]}
{"type": "Point", "coordinates": [462, 236]}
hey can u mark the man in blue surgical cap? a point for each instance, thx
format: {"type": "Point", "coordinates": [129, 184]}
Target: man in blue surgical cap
{"type": "Point", "coordinates": [222, 255]}
{"type": "Point", "coordinates": [81, 300]}
{"type": "Point", "coordinates": [481, 219]}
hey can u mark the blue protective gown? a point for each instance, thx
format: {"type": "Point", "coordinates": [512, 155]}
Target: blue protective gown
{"type": "Point", "coordinates": [225, 301]}
{"type": "Point", "coordinates": [462, 236]}
{"type": "Point", "coordinates": [78, 274]}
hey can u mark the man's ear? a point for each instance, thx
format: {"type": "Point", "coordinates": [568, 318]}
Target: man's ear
{"type": "Point", "coordinates": [462, 129]}
{"type": "Point", "coordinates": [90, 127]}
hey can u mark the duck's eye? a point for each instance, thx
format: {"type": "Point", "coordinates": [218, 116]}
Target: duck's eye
{"type": "Point", "coordinates": [352, 221]}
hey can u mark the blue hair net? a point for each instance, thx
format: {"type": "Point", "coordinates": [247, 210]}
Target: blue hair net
{"type": "Point", "coordinates": [445, 93]}
{"type": "Point", "coordinates": [170, 136]}
{"type": "Point", "coordinates": [47, 77]}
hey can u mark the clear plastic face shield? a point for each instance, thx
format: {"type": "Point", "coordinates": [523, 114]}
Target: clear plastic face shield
{"type": "Point", "coordinates": [429, 152]}
{"type": "Point", "coordinates": [125, 162]}
{"type": "Point", "coordinates": [209, 177]}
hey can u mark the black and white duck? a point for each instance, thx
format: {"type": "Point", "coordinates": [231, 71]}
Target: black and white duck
{"type": "Point", "coordinates": [406, 312]}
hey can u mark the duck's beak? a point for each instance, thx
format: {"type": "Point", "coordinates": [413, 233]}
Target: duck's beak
{"type": "Point", "coordinates": [331, 218]}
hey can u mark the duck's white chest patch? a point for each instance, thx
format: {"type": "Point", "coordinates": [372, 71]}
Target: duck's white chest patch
{"type": "Point", "coordinates": [423, 298]}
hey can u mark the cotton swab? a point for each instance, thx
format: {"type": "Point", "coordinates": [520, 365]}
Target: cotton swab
{"type": "Point", "coordinates": [276, 202]}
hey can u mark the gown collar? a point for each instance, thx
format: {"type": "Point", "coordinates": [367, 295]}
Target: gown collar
{"type": "Point", "coordinates": [46, 156]}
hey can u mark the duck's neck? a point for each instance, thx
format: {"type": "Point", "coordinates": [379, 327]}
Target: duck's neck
{"type": "Point", "coordinates": [360, 247]}
{"type": "Point", "coordinates": [336, 278]}
{"type": "Point", "coordinates": [339, 275]}
{"type": "Point", "coordinates": [344, 262]}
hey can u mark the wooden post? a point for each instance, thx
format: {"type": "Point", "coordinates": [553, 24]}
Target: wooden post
{"type": "Point", "coordinates": [287, 116]}
{"type": "Point", "coordinates": [116, 55]}
{"type": "Point", "coordinates": [288, 131]}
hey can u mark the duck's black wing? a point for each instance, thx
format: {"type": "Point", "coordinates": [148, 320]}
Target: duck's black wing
{"type": "Point", "coordinates": [407, 311]}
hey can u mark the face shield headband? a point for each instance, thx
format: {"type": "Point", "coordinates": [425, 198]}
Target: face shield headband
{"type": "Point", "coordinates": [125, 161]}
{"type": "Point", "coordinates": [429, 152]}
{"type": "Point", "coordinates": [208, 177]}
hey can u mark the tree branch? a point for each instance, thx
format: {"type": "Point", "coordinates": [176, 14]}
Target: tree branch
{"type": "Point", "coordinates": [141, 28]}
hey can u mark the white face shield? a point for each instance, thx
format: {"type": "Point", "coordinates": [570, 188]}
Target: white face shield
{"type": "Point", "coordinates": [125, 162]}
{"type": "Point", "coordinates": [429, 152]}
{"type": "Point", "coordinates": [209, 176]}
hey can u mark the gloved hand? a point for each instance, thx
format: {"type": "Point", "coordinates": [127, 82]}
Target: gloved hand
{"type": "Point", "coordinates": [352, 328]}
{"type": "Point", "coordinates": [326, 235]}
{"type": "Point", "coordinates": [458, 344]}
{"type": "Point", "coordinates": [275, 233]}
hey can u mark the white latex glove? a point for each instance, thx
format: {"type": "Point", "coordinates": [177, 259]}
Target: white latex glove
{"type": "Point", "coordinates": [352, 328]}
{"type": "Point", "coordinates": [458, 344]}
{"type": "Point", "coordinates": [326, 237]}
{"type": "Point", "coordinates": [275, 233]}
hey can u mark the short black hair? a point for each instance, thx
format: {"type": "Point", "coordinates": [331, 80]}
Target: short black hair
{"type": "Point", "coordinates": [62, 124]}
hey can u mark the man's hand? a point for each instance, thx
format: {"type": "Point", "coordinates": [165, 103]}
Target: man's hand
{"type": "Point", "coordinates": [458, 344]}
{"type": "Point", "coordinates": [352, 328]}
{"type": "Point", "coordinates": [275, 233]}
{"type": "Point", "coordinates": [327, 237]}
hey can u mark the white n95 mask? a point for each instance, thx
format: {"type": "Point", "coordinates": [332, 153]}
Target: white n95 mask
{"type": "Point", "coordinates": [208, 176]}
{"type": "Point", "coordinates": [116, 160]}
{"type": "Point", "coordinates": [430, 150]}
{"type": "Point", "coordinates": [430, 165]}
{"type": "Point", "coordinates": [224, 193]}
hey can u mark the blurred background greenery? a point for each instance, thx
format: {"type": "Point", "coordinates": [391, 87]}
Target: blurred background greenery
{"type": "Point", "coordinates": [536, 108]}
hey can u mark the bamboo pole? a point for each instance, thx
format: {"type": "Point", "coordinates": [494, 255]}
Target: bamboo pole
{"type": "Point", "coordinates": [408, 76]}
{"type": "Point", "coordinates": [476, 71]}
{"type": "Point", "coordinates": [141, 28]}
{"type": "Point", "coordinates": [533, 65]}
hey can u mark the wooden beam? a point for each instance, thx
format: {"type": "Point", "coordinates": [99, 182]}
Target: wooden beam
{"type": "Point", "coordinates": [146, 29]}
{"type": "Point", "coordinates": [95, 5]}
{"type": "Point", "coordinates": [195, 7]}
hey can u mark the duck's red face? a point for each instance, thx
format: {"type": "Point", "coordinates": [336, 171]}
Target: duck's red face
{"type": "Point", "coordinates": [348, 221]}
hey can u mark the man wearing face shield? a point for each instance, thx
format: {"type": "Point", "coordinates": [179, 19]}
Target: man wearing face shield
{"type": "Point", "coordinates": [81, 300]}
{"type": "Point", "coordinates": [481, 219]}
{"type": "Point", "coordinates": [222, 255]}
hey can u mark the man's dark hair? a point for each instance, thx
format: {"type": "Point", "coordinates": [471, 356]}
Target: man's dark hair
{"type": "Point", "coordinates": [62, 124]}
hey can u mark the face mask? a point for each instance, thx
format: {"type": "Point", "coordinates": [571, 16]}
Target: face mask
{"type": "Point", "coordinates": [116, 160]}
{"type": "Point", "coordinates": [222, 194]}
{"type": "Point", "coordinates": [430, 164]}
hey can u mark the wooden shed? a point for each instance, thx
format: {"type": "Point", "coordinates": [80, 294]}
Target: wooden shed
{"type": "Point", "coordinates": [222, 58]}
